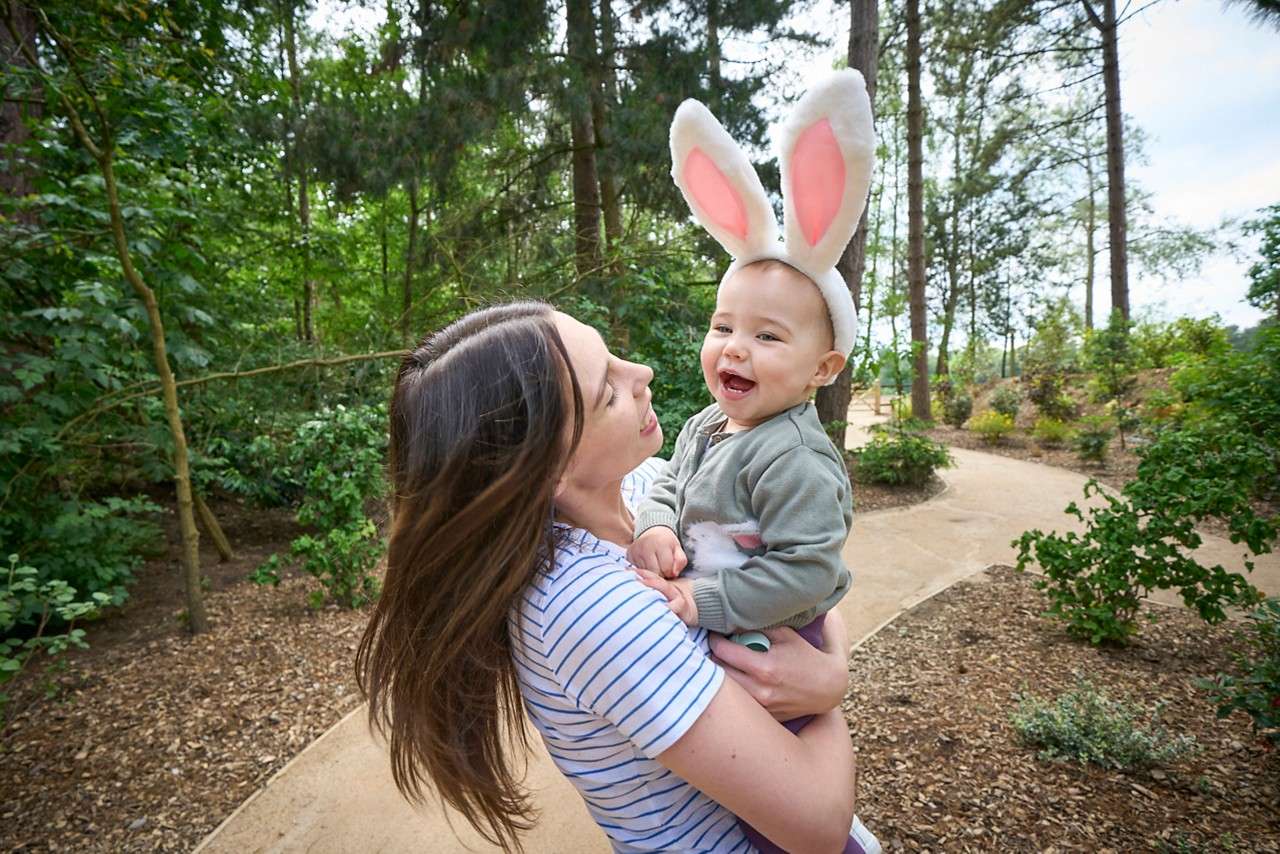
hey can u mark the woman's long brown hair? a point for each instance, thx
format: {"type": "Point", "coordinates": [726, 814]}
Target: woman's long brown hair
{"type": "Point", "coordinates": [481, 425]}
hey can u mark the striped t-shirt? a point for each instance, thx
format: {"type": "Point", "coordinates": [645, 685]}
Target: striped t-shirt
{"type": "Point", "coordinates": [611, 678]}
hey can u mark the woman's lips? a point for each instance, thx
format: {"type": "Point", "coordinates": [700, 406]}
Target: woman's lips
{"type": "Point", "coordinates": [650, 424]}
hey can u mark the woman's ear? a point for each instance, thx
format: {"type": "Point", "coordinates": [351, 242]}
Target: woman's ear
{"type": "Point", "coordinates": [829, 366]}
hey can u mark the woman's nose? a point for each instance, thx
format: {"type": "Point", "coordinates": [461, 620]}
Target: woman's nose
{"type": "Point", "coordinates": [644, 376]}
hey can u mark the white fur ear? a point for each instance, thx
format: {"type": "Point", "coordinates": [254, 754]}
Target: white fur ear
{"type": "Point", "coordinates": [719, 183]}
{"type": "Point", "coordinates": [826, 151]}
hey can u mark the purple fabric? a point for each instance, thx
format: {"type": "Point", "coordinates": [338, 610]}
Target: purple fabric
{"type": "Point", "coordinates": [812, 632]}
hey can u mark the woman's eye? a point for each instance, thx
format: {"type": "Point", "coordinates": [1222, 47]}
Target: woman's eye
{"type": "Point", "coordinates": [613, 395]}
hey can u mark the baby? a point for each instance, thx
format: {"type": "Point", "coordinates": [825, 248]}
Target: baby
{"type": "Point", "coordinates": [755, 469]}
{"type": "Point", "coordinates": [744, 528]}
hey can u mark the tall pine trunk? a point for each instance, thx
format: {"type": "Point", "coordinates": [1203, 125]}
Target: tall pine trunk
{"type": "Point", "coordinates": [304, 201]}
{"type": "Point", "coordinates": [915, 219]}
{"type": "Point", "coordinates": [864, 55]}
{"type": "Point", "coordinates": [1108, 27]}
{"type": "Point", "coordinates": [1091, 253]}
{"type": "Point", "coordinates": [18, 180]}
{"type": "Point", "coordinates": [410, 256]}
{"type": "Point", "coordinates": [586, 190]}
{"type": "Point", "coordinates": [603, 100]}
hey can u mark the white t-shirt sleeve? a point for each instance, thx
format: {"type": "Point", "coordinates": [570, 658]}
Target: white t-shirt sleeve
{"type": "Point", "coordinates": [619, 653]}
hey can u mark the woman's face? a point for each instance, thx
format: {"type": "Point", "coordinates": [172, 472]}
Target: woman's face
{"type": "Point", "coordinates": [619, 427]}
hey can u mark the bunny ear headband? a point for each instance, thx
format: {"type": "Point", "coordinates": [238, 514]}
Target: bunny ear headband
{"type": "Point", "coordinates": [826, 149]}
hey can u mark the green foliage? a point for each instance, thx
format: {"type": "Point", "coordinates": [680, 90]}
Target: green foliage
{"type": "Point", "coordinates": [1046, 391]}
{"type": "Point", "coordinates": [1006, 401]}
{"type": "Point", "coordinates": [56, 606]}
{"type": "Point", "coordinates": [900, 458]}
{"type": "Point", "coordinates": [1054, 347]}
{"type": "Point", "coordinates": [1243, 385]}
{"type": "Point", "coordinates": [992, 426]}
{"type": "Point", "coordinates": [1161, 408]}
{"type": "Point", "coordinates": [1255, 689]}
{"type": "Point", "coordinates": [956, 408]}
{"type": "Point", "coordinates": [1109, 354]}
{"type": "Point", "coordinates": [1264, 275]}
{"type": "Point", "coordinates": [1051, 432]}
{"type": "Point", "coordinates": [1092, 438]}
{"type": "Point", "coordinates": [1086, 725]}
{"type": "Point", "coordinates": [344, 450]}
{"type": "Point", "coordinates": [1160, 345]}
{"type": "Point", "coordinates": [1133, 544]}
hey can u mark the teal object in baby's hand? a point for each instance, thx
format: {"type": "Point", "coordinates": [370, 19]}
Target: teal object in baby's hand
{"type": "Point", "coordinates": [752, 640]}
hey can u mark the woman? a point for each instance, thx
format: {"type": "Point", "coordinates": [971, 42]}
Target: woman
{"type": "Point", "coordinates": [518, 444]}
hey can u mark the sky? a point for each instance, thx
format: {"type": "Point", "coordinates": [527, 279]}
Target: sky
{"type": "Point", "coordinates": [1203, 82]}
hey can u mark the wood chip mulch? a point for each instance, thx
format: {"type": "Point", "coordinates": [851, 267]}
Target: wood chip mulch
{"type": "Point", "coordinates": [153, 736]}
{"type": "Point", "coordinates": [942, 768]}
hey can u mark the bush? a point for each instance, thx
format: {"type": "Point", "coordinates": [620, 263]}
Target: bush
{"type": "Point", "coordinates": [1046, 392]}
{"type": "Point", "coordinates": [1092, 437]}
{"type": "Point", "coordinates": [348, 447]}
{"type": "Point", "coordinates": [1006, 401]}
{"type": "Point", "coordinates": [991, 426]}
{"type": "Point", "coordinates": [1109, 354]}
{"type": "Point", "coordinates": [900, 458]}
{"type": "Point", "coordinates": [1256, 690]}
{"type": "Point", "coordinates": [1161, 407]}
{"type": "Point", "coordinates": [957, 408]}
{"type": "Point", "coordinates": [53, 603]}
{"type": "Point", "coordinates": [1051, 432]}
{"type": "Point", "coordinates": [1086, 725]}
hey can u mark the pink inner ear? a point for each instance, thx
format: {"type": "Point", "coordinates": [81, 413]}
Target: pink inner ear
{"type": "Point", "coordinates": [817, 180]}
{"type": "Point", "coordinates": [714, 194]}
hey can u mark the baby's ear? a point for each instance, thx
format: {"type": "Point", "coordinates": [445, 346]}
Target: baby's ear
{"type": "Point", "coordinates": [829, 366]}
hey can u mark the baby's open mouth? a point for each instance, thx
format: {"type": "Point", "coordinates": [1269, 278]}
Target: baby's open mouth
{"type": "Point", "coordinates": [736, 384]}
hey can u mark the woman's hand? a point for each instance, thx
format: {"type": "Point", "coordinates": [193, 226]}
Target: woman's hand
{"type": "Point", "coordinates": [793, 678]}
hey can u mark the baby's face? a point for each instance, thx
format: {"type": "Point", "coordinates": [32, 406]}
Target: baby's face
{"type": "Point", "coordinates": [769, 344]}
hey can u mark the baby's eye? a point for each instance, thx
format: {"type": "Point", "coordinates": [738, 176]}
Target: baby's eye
{"type": "Point", "coordinates": [768, 336]}
{"type": "Point", "coordinates": [721, 328]}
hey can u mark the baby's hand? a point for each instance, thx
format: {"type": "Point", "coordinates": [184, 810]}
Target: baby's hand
{"type": "Point", "coordinates": [679, 595]}
{"type": "Point", "coordinates": [658, 551]}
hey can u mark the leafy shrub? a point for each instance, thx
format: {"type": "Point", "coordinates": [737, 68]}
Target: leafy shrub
{"type": "Point", "coordinates": [1159, 345]}
{"type": "Point", "coordinates": [1051, 432]}
{"type": "Point", "coordinates": [1092, 437]}
{"type": "Point", "coordinates": [1046, 392]}
{"type": "Point", "coordinates": [1109, 354]}
{"type": "Point", "coordinates": [1053, 347]}
{"type": "Point", "coordinates": [1256, 690]}
{"type": "Point", "coordinates": [991, 426]}
{"type": "Point", "coordinates": [54, 603]}
{"type": "Point", "coordinates": [1161, 407]}
{"type": "Point", "coordinates": [1245, 386]}
{"type": "Point", "coordinates": [1086, 725]}
{"type": "Point", "coordinates": [348, 447]}
{"type": "Point", "coordinates": [1142, 540]}
{"type": "Point", "coordinates": [900, 458]}
{"type": "Point", "coordinates": [957, 408]}
{"type": "Point", "coordinates": [92, 546]}
{"type": "Point", "coordinates": [1006, 401]}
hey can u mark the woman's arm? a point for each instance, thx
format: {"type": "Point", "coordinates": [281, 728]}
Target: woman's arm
{"type": "Point", "coordinates": [793, 678]}
{"type": "Point", "coordinates": [797, 790]}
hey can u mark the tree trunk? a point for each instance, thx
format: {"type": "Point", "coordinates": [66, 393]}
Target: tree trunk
{"type": "Point", "coordinates": [864, 55]}
{"type": "Point", "coordinates": [603, 99]}
{"type": "Point", "coordinates": [1109, 27]}
{"type": "Point", "coordinates": [304, 202]}
{"type": "Point", "coordinates": [714, 83]}
{"type": "Point", "coordinates": [213, 529]}
{"type": "Point", "coordinates": [915, 219]}
{"type": "Point", "coordinates": [410, 255]}
{"type": "Point", "coordinates": [18, 181]}
{"type": "Point", "coordinates": [197, 620]}
{"type": "Point", "coordinates": [1090, 224]}
{"type": "Point", "coordinates": [382, 240]}
{"type": "Point", "coordinates": [586, 194]}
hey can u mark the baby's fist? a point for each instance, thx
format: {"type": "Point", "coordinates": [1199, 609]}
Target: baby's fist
{"type": "Point", "coordinates": [658, 550]}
